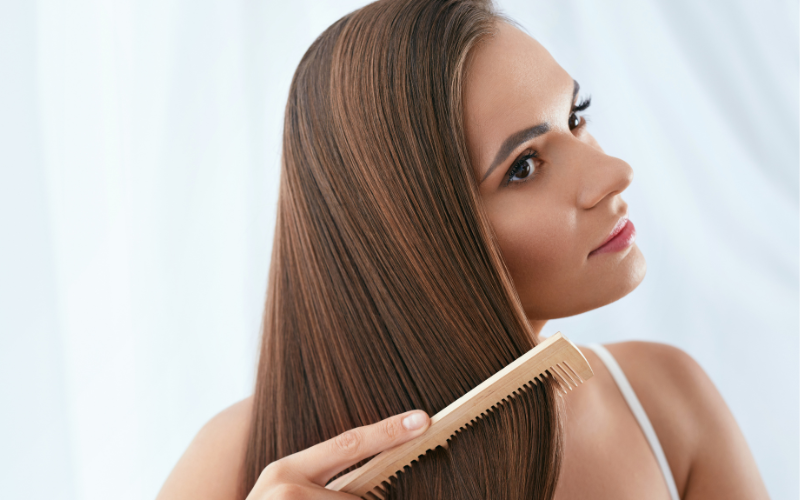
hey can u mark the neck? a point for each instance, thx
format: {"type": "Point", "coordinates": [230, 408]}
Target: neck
{"type": "Point", "coordinates": [537, 325]}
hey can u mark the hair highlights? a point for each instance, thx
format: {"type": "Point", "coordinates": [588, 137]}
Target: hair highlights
{"type": "Point", "coordinates": [386, 289]}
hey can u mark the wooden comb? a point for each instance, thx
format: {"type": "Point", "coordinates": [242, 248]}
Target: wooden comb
{"type": "Point", "coordinates": [556, 357]}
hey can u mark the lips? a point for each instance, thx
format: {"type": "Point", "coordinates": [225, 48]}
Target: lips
{"type": "Point", "coordinates": [621, 237]}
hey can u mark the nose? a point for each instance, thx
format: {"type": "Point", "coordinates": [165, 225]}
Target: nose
{"type": "Point", "coordinates": [601, 176]}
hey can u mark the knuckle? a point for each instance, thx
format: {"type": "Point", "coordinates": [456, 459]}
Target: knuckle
{"type": "Point", "coordinates": [288, 491]}
{"type": "Point", "coordinates": [348, 443]}
{"type": "Point", "coordinates": [272, 472]}
{"type": "Point", "coordinates": [392, 428]}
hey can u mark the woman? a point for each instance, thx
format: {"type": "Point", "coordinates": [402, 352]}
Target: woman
{"type": "Point", "coordinates": [441, 199]}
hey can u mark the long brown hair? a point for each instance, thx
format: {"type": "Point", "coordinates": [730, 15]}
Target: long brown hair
{"type": "Point", "coordinates": [387, 291]}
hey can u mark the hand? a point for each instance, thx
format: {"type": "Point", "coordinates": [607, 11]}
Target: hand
{"type": "Point", "coordinates": [303, 475]}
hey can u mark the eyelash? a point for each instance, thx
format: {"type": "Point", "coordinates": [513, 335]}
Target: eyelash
{"type": "Point", "coordinates": [519, 163]}
{"type": "Point", "coordinates": [577, 108]}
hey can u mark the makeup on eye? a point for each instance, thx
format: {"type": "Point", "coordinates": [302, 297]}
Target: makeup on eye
{"type": "Point", "coordinates": [526, 165]}
{"type": "Point", "coordinates": [574, 121]}
{"type": "Point", "coordinates": [523, 136]}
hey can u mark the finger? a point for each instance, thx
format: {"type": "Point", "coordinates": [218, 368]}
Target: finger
{"type": "Point", "coordinates": [324, 460]}
{"type": "Point", "coordinates": [294, 491]}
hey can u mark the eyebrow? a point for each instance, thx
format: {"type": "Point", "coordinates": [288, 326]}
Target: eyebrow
{"type": "Point", "coordinates": [514, 140]}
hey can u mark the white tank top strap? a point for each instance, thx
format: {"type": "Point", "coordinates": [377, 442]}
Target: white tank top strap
{"type": "Point", "coordinates": [639, 413]}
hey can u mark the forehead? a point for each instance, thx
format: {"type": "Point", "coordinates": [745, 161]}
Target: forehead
{"type": "Point", "coordinates": [512, 82]}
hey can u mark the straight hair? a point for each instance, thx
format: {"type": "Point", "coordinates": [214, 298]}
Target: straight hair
{"type": "Point", "coordinates": [387, 290]}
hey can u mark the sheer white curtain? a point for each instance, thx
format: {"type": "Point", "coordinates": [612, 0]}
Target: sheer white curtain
{"type": "Point", "coordinates": [139, 148]}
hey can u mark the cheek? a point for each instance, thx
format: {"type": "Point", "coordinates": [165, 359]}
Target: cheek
{"type": "Point", "coordinates": [538, 246]}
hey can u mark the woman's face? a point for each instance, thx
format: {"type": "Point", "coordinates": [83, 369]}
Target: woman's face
{"type": "Point", "coordinates": [552, 195]}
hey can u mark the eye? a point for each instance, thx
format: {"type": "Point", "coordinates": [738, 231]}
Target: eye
{"type": "Point", "coordinates": [575, 120]}
{"type": "Point", "coordinates": [522, 170]}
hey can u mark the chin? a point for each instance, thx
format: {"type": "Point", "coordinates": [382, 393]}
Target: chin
{"type": "Point", "coordinates": [631, 275]}
{"type": "Point", "coordinates": [599, 292]}
{"type": "Point", "coordinates": [626, 278]}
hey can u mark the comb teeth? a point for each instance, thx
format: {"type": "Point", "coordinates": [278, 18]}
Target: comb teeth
{"type": "Point", "coordinates": [381, 492]}
{"type": "Point", "coordinates": [556, 358]}
{"type": "Point", "coordinates": [565, 376]}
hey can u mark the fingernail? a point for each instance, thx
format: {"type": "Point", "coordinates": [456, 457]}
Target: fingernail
{"type": "Point", "coordinates": [414, 421]}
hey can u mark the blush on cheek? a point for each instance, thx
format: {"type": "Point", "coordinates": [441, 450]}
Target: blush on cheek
{"type": "Point", "coordinates": [538, 256]}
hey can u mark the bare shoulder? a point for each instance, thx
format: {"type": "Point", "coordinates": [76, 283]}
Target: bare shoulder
{"type": "Point", "coordinates": [666, 372]}
{"type": "Point", "coordinates": [211, 466]}
{"type": "Point", "coordinates": [700, 436]}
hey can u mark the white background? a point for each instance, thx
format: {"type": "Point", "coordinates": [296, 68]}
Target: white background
{"type": "Point", "coordinates": [139, 147]}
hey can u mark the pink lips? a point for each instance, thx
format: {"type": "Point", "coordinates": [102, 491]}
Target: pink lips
{"type": "Point", "coordinates": [621, 237]}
